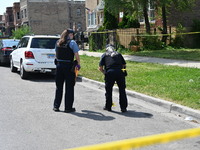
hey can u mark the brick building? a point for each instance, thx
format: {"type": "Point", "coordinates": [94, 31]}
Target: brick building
{"type": "Point", "coordinates": [9, 21]}
{"type": "Point", "coordinates": [52, 16]}
{"type": "Point", "coordinates": [16, 15]}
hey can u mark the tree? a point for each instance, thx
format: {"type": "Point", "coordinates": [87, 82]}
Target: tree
{"type": "Point", "coordinates": [110, 21]}
{"type": "Point", "coordinates": [19, 33]}
{"type": "Point", "coordinates": [134, 8]}
{"type": "Point", "coordinates": [165, 5]}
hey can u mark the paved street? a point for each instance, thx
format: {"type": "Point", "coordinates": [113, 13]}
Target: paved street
{"type": "Point", "coordinates": [27, 121]}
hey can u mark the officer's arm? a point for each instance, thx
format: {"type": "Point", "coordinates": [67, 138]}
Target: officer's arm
{"type": "Point", "coordinates": [77, 57]}
{"type": "Point", "coordinates": [102, 63]}
{"type": "Point", "coordinates": [101, 69]}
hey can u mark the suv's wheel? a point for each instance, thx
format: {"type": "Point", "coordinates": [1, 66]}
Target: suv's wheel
{"type": "Point", "coordinates": [23, 73]}
{"type": "Point", "coordinates": [12, 68]}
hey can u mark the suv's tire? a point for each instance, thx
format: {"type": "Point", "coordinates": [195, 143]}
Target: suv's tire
{"type": "Point", "coordinates": [23, 73]}
{"type": "Point", "coordinates": [12, 68]}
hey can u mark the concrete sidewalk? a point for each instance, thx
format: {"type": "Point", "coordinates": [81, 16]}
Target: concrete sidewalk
{"type": "Point", "coordinates": [181, 63]}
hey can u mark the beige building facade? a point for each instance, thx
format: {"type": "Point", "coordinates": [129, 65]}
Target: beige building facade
{"type": "Point", "coordinates": [52, 16]}
{"type": "Point", "coordinates": [94, 14]}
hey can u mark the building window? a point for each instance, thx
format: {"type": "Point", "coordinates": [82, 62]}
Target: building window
{"type": "Point", "coordinates": [25, 13]}
{"type": "Point", "coordinates": [10, 18]}
{"type": "Point", "coordinates": [79, 26]}
{"type": "Point", "coordinates": [151, 12]}
{"type": "Point", "coordinates": [18, 15]}
{"type": "Point", "coordinates": [78, 12]}
{"type": "Point", "coordinates": [91, 19]}
{"type": "Point", "coordinates": [22, 14]}
{"type": "Point", "coordinates": [70, 14]}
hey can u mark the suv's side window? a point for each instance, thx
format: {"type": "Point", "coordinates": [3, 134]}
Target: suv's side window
{"type": "Point", "coordinates": [23, 42]}
{"type": "Point", "coordinates": [1, 45]}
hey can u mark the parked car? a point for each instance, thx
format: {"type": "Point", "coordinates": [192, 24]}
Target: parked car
{"type": "Point", "coordinates": [34, 53]}
{"type": "Point", "coordinates": [6, 47]}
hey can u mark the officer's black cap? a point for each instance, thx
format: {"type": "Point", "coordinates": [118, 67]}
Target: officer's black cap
{"type": "Point", "coordinates": [70, 31]}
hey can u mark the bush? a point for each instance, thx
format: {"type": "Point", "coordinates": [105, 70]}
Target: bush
{"type": "Point", "coordinates": [178, 41]}
{"type": "Point", "coordinates": [128, 22]}
{"type": "Point", "coordinates": [97, 41]}
{"type": "Point", "coordinates": [152, 43]}
{"type": "Point", "coordinates": [196, 37]}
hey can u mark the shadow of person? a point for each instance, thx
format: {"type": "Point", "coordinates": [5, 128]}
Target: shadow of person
{"type": "Point", "coordinates": [93, 115]}
{"type": "Point", "coordinates": [134, 114]}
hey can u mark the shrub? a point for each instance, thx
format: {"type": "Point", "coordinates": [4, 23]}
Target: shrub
{"type": "Point", "coordinates": [178, 41]}
{"type": "Point", "coordinates": [196, 37]}
{"type": "Point", "coordinates": [152, 43]}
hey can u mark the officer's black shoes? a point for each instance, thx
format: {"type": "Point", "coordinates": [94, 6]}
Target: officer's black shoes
{"type": "Point", "coordinates": [108, 109]}
{"type": "Point", "coordinates": [56, 109]}
{"type": "Point", "coordinates": [124, 110]}
{"type": "Point", "coordinates": [70, 110]}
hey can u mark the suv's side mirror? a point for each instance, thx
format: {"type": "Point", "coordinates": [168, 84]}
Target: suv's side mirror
{"type": "Point", "coordinates": [14, 47]}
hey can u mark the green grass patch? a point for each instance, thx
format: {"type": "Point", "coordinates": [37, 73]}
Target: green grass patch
{"type": "Point", "coordinates": [170, 53]}
{"type": "Point", "coordinates": [177, 84]}
{"type": "Point", "coordinates": [181, 54]}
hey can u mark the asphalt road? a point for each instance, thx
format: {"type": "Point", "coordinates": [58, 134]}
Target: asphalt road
{"type": "Point", "coordinates": [27, 121]}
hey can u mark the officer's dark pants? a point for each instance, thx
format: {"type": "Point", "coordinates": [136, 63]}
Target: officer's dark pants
{"type": "Point", "coordinates": [111, 76]}
{"type": "Point", "coordinates": [64, 74]}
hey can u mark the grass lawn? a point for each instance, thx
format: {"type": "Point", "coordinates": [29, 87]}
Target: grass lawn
{"type": "Point", "coordinates": [176, 84]}
{"type": "Point", "coordinates": [182, 54]}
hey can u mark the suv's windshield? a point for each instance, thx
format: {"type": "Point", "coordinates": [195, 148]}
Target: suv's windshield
{"type": "Point", "coordinates": [45, 43]}
{"type": "Point", "coordinates": [10, 43]}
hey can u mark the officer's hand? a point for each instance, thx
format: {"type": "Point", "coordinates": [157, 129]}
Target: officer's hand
{"type": "Point", "coordinates": [78, 67]}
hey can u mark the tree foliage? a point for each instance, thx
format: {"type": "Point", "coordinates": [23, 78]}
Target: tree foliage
{"type": "Point", "coordinates": [110, 21]}
{"type": "Point", "coordinates": [19, 33]}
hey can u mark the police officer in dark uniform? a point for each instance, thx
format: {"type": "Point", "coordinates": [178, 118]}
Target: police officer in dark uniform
{"type": "Point", "coordinates": [66, 49]}
{"type": "Point", "coordinates": [112, 65]}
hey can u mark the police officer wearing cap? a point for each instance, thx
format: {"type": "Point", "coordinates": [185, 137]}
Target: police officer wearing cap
{"type": "Point", "coordinates": [112, 65]}
{"type": "Point", "coordinates": [66, 48]}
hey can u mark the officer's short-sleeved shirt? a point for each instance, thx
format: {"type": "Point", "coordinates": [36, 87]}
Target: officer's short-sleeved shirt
{"type": "Point", "coordinates": [110, 61]}
{"type": "Point", "coordinates": [73, 45]}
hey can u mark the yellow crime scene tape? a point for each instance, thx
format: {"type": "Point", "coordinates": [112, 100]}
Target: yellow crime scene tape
{"type": "Point", "coordinates": [144, 141]}
{"type": "Point", "coordinates": [122, 34]}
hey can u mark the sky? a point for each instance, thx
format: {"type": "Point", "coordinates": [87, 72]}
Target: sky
{"type": "Point", "coordinates": [9, 3]}
{"type": "Point", "coordinates": [6, 3]}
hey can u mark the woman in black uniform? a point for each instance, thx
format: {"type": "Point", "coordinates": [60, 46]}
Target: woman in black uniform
{"type": "Point", "coordinates": [66, 49]}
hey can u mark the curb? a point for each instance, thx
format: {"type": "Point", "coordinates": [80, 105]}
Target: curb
{"type": "Point", "coordinates": [170, 106]}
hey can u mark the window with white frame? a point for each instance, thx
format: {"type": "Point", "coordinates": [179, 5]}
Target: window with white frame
{"type": "Point", "coordinates": [91, 18]}
{"type": "Point", "coordinates": [151, 12]}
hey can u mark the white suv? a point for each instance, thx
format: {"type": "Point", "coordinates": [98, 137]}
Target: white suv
{"type": "Point", "coordinates": [35, 53]}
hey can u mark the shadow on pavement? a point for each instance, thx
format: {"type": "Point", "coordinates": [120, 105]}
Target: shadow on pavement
{"type": "Point", "coordinates": [40, 77]}
{"type": "Point", "coordinates": [93, 115]}
{"type": "Point", "coordinates": [134, 114]}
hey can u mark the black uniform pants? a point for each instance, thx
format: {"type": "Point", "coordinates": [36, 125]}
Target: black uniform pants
{"type": "Point", "coordinates": [64, 75]}
{"type": "Point", "coordinates": [112, 76]}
